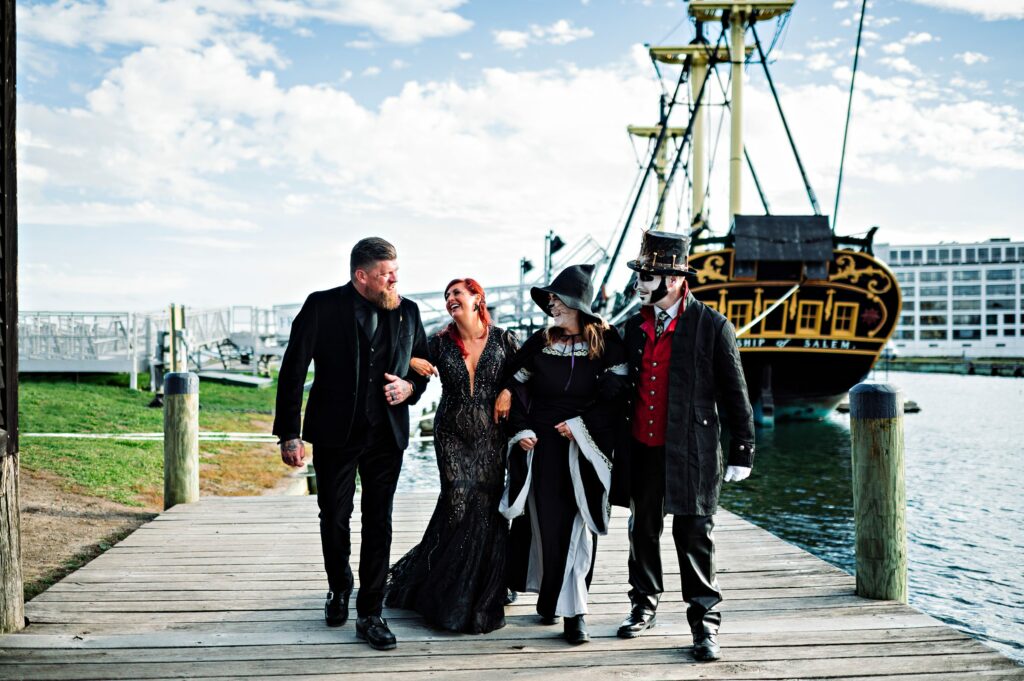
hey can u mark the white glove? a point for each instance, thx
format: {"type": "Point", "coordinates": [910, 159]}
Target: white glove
{"type": "Point", "coordinates": [736, 473]}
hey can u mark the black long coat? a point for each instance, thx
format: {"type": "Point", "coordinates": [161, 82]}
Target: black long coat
{"type": "Point", "coordinates": [326, 332]}
{"type": "Point", "coordinates": [705, 381]}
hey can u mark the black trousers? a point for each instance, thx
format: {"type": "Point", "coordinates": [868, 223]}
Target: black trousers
{"type": "Point", "coordinates": [378, 460]}
{"type": "Point", "coordinates": [695, 544]}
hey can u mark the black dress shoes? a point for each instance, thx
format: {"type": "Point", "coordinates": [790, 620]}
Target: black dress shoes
{"type": "Point", "coordinates": [639, 620]}
{"type": "Point", "coordinates": [575, 630]}
{"type": "Point", "coordinates": [336, 609]}
{"type": "Point", "coordinates": [705, 647]}
{"type": "Point", "coordinates": [374, 630]}
{"type": "Point", "coordinates": [548, 621]}
{"type": "Point", "coordinates": [511, 597]}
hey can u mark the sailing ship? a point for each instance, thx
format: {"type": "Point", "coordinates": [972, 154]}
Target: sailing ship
{"type": "Point", "coordinates": [813, 310]}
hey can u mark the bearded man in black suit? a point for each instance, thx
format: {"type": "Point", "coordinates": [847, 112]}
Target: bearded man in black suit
{"type": "Point", "coordinates": [360, 337]}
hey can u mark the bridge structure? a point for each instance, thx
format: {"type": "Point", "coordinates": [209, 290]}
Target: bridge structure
{"type": "Point", "coordinates": [249, 338]}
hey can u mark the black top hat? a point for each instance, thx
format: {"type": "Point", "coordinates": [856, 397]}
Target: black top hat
{"type": "Point", "coordinates": [573, 286]}
{"type": "Point", "coordinates": [662, 253]}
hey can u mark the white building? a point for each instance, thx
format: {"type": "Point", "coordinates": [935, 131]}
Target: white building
{"type": "Point", "coordinates": [959, 299]}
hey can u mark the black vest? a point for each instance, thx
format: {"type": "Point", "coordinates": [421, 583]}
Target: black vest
{"type": "Point", "coordinates": [373, 357]}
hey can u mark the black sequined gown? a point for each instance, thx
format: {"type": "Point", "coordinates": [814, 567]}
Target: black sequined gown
{"type": "Point", "coordinates": [455, 576]}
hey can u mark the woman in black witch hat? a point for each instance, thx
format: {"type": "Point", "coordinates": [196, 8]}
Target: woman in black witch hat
{"type": "Point", "coordinates": [568, 379]}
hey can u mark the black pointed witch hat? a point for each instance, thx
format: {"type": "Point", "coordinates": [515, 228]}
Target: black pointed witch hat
{"type": "Point", "coordinates": [573, 286]}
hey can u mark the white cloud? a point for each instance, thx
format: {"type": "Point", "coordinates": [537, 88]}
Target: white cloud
{"type": "Point", "coordinates": [399, 64]}
{"type": "Point", "coordinates": [511, 40]}
{"type": "Point", "coordinates": [894, 48]}
{"type": "Point", "coordinates": [561, 32]}
{"type": "Point", "coordinates": [819, 61]}
{"type": "Point", "coordinates": [371, 71]}
{"type": "Point", "coordinates": [362, 44]}
{"type": "Point", "coordinates": [990, 10]}
{"type": "Point", "coordinates": [901, 64]}
{"type": "Point", "coordinates": [465, 56]}
{"type": "Point", "coordinates": [188, 23]}
{"type": "Point", "coordinates": [970, 58]}
{"type": "Point", "coordinates": [918, 38]}
{"type": "Point", "coordinates": [840, 4]}
{"type": "Point", "coordinates": [823, 44]}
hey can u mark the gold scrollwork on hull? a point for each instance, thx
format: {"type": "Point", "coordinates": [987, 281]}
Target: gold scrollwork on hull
{"type": "Point", "coordinates": [879, 280]}
{"type": "Point", "coordinates": [885, 314]}
{"type": "Point", "coordinates": [711, 270]}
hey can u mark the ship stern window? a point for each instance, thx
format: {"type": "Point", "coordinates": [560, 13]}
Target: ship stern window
{"type": "Point", "coordinates": [740, 312]}
{"type": "Point", "coordinates": [775, 323]}
{"type": "Point", "coordinates": [844, 319]}
{"type": "Point", "coordinates": [808, 321]}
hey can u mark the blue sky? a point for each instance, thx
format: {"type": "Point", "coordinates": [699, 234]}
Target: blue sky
{"type": "Point", "coordinates": [231, 151]}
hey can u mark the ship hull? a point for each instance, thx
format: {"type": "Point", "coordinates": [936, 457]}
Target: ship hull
{"type": "Point", "coordinates": [802, 357]}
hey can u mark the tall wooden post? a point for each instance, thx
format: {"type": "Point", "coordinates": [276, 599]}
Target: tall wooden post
{"type": "Point", "coordinates": [12, 592]}
{"type": "Point", "coordinates": [181, 438]}
{"type": "Point", "coordinates": [879, 492]}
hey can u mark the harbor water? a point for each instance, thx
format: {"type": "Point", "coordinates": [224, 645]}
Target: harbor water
{"type": "Point", "coordinates": [964, 478]}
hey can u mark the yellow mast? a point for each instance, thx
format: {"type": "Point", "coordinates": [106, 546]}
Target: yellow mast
{"type": "Point", "coordinates": [737, 15]}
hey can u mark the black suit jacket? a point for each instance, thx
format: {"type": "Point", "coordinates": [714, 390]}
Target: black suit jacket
{"type": "Point", "coordinates": [705, 381]}
{"type": "Point", "coordinates": [326, 332]}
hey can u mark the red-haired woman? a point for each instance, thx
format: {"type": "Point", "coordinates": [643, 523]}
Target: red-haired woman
{"type": "Point", "coordinates": [455, 576]}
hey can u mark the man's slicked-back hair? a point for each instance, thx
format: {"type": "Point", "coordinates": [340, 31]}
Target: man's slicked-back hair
{"type": "Point", "coordinates": [369, 251]}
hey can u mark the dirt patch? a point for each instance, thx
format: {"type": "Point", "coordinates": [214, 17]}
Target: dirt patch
{"type": "Point", "coordinates": [62, 530]}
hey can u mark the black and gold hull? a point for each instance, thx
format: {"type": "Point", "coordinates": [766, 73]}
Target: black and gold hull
{"type": "Point", "coordinates": [802, 358]}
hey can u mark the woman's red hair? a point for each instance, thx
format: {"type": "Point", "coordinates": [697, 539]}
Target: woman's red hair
{"type": "Point", "coordinates": [474, 288]}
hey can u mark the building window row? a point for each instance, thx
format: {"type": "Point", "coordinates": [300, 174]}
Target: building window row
{"type": "Point", "coordinates": [939, 255]}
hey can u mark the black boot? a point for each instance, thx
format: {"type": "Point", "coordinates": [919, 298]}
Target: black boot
{"type": "Point", "coordinates": [374, 630]}
{"type": "Point", "coordinates": [639, 620]}
{"type": "Point", "coordinates": [336, 609]}
{"type": "Point", "coordinates": [575, 630]}
{"type": "Point", "coordinates": [705, 647]}
{"type": "Point", "coordinates": [511, 597]}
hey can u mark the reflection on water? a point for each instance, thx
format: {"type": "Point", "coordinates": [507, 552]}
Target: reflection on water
{"type": "Point", "coordinates": [800, 488]}
{"type": "Point", "coordinates": [964, 473]}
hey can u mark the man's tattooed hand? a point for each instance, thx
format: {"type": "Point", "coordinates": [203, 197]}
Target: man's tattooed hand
{"type": "Point", "coordinates": [293, 452]}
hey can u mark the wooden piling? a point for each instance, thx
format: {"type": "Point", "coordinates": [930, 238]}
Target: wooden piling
{"type": "Point", "coordinates": [181, 438]}
{"type": "Point", "coordinates": [879, 492]}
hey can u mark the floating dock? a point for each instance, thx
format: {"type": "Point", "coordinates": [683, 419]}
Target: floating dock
{"type": "Point", "coordinates": [233, 588]}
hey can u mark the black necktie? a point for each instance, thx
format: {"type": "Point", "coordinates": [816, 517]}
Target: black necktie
{"type": "Point", "coordinates": [659, 328]}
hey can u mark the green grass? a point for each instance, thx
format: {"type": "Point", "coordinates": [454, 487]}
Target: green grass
{"type": "Point", "coordinates": [125, 472]}
{"type": "Point", "coordinates": [103, 404]}
{"type": "Point", "coordinates": [132, 472]}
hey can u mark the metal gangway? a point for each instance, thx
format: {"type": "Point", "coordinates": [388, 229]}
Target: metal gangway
{"type": "Point", "coordinates": [133, 342]}
{"type": "Point", "coordinates": [237, 337]}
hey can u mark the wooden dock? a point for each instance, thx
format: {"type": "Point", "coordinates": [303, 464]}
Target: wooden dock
{"type": "Point", "coordinates": [232, 588]}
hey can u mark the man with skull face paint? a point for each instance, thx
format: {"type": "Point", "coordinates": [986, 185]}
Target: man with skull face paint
{"type": "Point", "coordinates": [684, 369]}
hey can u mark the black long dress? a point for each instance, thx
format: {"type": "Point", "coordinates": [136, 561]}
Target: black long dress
{"type": "Point", "coordinates": [561, 486]}
{"type": "Point", "coordinates": [455, 576]}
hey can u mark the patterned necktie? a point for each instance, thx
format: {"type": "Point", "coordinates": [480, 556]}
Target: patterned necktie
{"type": "Point", "coordinates": [659, 328]}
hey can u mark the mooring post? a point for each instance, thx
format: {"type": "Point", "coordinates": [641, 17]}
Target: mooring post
{"type": "Point", "coordinates": [181, 438]}
{"type": "Point", "coordinates": [879, 492]}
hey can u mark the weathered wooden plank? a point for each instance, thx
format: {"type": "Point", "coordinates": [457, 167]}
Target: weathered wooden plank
{"type": "Point", "coordinates": [196, 593]}
{"type": "Point", "coordinates": [656, 664]}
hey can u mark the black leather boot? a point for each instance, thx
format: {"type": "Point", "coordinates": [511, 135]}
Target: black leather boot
{"type": "Point", "coordinates": [705, 647]}
{"type": "Point", "coordinates": [639, 620]}
{"type": "Point", "coordinates": [336, 609]}
{"type": "Point", "coordinates": [575, 630]}
{"type": "Point", "coordinates": [374, 630]}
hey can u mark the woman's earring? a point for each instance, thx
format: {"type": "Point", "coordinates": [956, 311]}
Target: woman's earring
{"type": "Point", "coordinates": [476, 307]}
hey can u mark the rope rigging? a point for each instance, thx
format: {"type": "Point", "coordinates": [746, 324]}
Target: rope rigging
{"type": "Point", "coordinates": [849, 109]}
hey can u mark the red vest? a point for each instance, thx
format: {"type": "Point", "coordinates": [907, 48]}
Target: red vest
{"type": "Point", "coordinates": [651, 411]}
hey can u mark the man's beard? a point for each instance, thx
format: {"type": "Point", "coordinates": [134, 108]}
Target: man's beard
{"type": "Point", "coordinates": [387, 299]}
